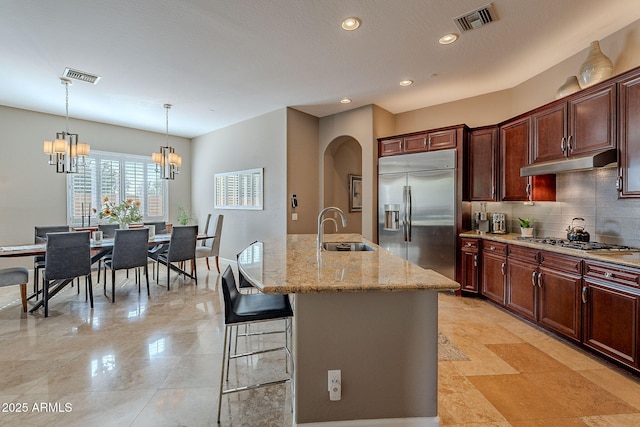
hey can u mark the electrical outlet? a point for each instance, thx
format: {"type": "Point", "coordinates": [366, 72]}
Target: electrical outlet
{"type": "Point", "coordinates": [335, 385]}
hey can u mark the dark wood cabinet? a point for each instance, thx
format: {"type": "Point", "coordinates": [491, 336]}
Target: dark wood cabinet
{"type": "Point", "coordinates": [611, 320]}
{"type": "Point", "coordinates": [559, 285]}
{"type": "Point", "coordinates": [592, 120]}
{"type": "Point", "coordinates": [482, 169]}
{"type": "Point", "coordinates": [583, 123]}
{"type": "Point", "coordinates": [431, 140]}
{"type": "Point", "coordinates": [494, 263]}
{"type": "Point", "coordinates": [522, 269]}
{"type": "Point", "coordinates": [442, 140]}
{"type": "Point", "coordinates": [470, 268]}
{"type": "Point", "coordinates": [514, 154]}
{"type": "Point", "coordinates": [629, 136]}
{"type": "Point", "coordinates": [387, 147]}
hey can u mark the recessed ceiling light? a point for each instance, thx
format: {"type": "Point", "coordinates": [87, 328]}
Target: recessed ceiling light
{"type": "Point", "coordinates": [345, 101]}
{"type": "Point", "coordinates": [448, 38]}
{"type": "Point", "coordinates": [351, 23]}
{"type": "Point", "coordinates": [406, 82]}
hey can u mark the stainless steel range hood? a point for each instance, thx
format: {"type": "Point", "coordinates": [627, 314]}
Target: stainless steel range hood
{"type": "Point", "coordinates": [590, 161]}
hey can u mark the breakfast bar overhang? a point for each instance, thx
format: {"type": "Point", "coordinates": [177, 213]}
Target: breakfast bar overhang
{"type": "Point", "coordinates": [370, 314]}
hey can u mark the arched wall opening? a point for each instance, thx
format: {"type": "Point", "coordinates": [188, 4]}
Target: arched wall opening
{"type": "Point", "coordinates": [342, 159]}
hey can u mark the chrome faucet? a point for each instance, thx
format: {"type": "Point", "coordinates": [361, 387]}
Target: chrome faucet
{"type": "Point", "coordinates": [321, 219]}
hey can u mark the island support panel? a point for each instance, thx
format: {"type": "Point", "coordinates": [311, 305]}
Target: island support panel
{"type": "Point", "coordinates": [385, 344]}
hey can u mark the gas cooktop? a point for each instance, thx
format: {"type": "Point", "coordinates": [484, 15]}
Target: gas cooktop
{"type": "Point", "coordinates": [583, 246]}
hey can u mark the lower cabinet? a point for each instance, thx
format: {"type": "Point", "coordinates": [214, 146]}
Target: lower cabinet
{"type": "Point", "coordinates": [544, 287]}
{"type": "Point", "coordinates": [593, 303]}
{"type": "Point", "coordinates": [494, 262]}
{"type": "Point", "coordinates": [611, 320]}
{"type": "Point", "coordinates": [470, 267]}
{"type": "Point", "coordinates": [559, 283]}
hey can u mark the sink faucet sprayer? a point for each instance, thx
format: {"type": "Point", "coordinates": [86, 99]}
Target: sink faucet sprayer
{"type": "Point", "coordinates": [321, 219]}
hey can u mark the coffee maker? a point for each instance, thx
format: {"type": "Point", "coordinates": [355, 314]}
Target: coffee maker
{"type": "Point", "coordinates": [482, 223]}
{"type": "Point", "coordinates": [498, 223]}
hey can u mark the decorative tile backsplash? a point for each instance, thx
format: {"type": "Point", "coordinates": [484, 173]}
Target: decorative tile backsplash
{"type": "Point", "coordinates": [587, 194]}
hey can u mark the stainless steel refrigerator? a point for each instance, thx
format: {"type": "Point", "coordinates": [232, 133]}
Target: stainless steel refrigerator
{"type": "Point", "coordinates": [416, 208]}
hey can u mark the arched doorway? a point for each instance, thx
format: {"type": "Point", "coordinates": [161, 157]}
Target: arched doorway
{"type": "Point", "coordinates": [342, 159]}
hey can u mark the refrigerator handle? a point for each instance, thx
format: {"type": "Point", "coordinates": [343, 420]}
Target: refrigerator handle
{"type": "Point", "coordinates": [409, 209]}
{"type": "Point", "coordinates": [404, 214]}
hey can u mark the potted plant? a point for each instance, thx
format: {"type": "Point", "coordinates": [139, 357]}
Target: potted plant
{"type": "Point", "coordinates": [183, 216]}
{"type": "Point", "coordinates": [526, 227]}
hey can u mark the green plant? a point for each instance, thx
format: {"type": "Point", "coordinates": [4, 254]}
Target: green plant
{"type": "Point", "coordinates": [183, 216]}
{"type": "Point", "coordinates": [526, 222]}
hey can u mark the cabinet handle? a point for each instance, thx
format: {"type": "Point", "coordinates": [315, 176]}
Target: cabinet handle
{"type": "Point", "coordinates": [429, 143]}
{"type": "Point", "coordinates": [584, 294]}
{"type": "Point", "coordinates": [502, 268]}
{"type": "Point", "coordinates": [619, 183]}
{"type": "Point", "coordinates": [563, 144]}
{"type": "Point", "coordinates": [533, 279]}
{"type": "Point", "coordinates": [493, 248]}
{"type": "Point", "coordinates": [540, 280]}
{"type": "Point", "coordinates": [475, 260]}
{"type": "Point", "coordinates": [469, 243]}
{"type": "Point", "coordinates": [528, 190]}
{"type": "Point", "coordinates": [569, 147]}
{"type": "Point", "coordinates": [493, 191]}
{"type": "Point", "coordinates": [608, 275]}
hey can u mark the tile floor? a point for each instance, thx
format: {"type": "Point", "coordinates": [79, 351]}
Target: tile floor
{"type": "Point", "coordinates": [156, 362]}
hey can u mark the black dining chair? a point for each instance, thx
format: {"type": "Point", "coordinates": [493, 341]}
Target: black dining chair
{"type": "Point", "coordinates": [244, 309]}
{"type": "Point", "coordinates": [68, 257]}
{"type": "Point", "coordinates": [182, 247]}
{"type": "Point", "coordinates": [40, 236]}
{"type": "Point", "coordinates": [129, 251]}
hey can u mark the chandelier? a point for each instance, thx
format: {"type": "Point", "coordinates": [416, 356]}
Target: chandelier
{"type": "Point", "coordinates": [167, 162]}
{"type": "Point", "coordinates": [65, 152]}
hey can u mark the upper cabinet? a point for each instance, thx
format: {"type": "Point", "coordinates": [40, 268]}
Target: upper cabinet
{"type": "Point", "coordinates": [437, 139]}
{"type": "Point", "coordinates": [629, 136]}
{"type": "Point", "coordinates": [580, 124]}
{"type": "Point", "coordinates": [482, 167]}
{"type": "Point", "coordinates": [514, 153]}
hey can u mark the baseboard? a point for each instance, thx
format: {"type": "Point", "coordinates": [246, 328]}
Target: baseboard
{"type": "Point", "coordinates": [385, 422]}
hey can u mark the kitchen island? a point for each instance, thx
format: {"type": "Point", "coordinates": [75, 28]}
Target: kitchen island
{"type": "Point", "coordinates": [370, 314]}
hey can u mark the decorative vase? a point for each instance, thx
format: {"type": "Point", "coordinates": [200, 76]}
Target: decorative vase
{"type": "Point", "coordinates": [124, 225]}
{"type": "Point", "coordinates": [526, 232]}
{"type": "Point", "coordinates": [596, 68]}
{"type": "Point", "coordinates": [570, 86]}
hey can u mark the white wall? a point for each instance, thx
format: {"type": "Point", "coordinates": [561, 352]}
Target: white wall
{"type": "Point", "coordinates": [260, 142]}
{"type": "Point", "coordinates": [32, 193]}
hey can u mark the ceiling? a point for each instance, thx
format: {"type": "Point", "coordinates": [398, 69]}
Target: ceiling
{"type": "Point", "coordinates": [223, 61]}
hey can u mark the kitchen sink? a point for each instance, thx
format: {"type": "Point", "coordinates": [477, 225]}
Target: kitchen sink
{"type": "Point", "coordinates": [347, 247]}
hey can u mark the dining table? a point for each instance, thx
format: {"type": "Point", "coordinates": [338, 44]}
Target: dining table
{"type": "Point", "coordinates": [98, 250]}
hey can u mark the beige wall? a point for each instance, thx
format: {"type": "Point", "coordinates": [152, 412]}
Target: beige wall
{"type": "Point", "coordinates": [342, 159]}
{"type": "Point", "coordinates": [357, 124]}
{"type": "Point", "coordinates": [31, 193]}
{"type": "Point", "coordinates": [303, 174]}
{"type": "Point", "coordinates": [260, 142]}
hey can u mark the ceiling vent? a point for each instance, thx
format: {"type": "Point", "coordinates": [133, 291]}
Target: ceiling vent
{"type": "Point", "coordinates": [81, 75]}
{"type": "Point", "coordinates": [476, 18]}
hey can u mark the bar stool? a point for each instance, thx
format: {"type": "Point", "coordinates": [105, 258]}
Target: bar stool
{"type": "Point", "coordinates": [242, 309]}
{"type": "Point", "coordinates": [16, 276]}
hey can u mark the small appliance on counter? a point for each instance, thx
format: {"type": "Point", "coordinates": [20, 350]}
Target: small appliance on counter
{"type": "Point", "coordinates": [498, 224]}
{"type": "Point", "coordinates": [577, 233]}
{"type": "Point", "coordinates": [482, 224]}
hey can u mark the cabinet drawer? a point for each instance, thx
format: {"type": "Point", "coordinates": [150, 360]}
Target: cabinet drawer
{"type": "Point", "coordinates": [612, 273]}
{"type": "Point", "coordinates": [494, 247]}
{"type": "Point", "coordinates": [564, 263]}
{"type": "Point", "coordinates": [390, 146]}
{"type": "Point", "coordinates": [442, 140]}
{"type": "Point", "coordinates": [523, 253]}
{"type": "Point", "coordinates": [470, 245]}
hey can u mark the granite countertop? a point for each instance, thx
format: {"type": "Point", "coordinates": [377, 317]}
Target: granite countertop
{"type": "Point", "coordinates": [293, 264]}
{"type": "Point", "coordinates": [629, 259]}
